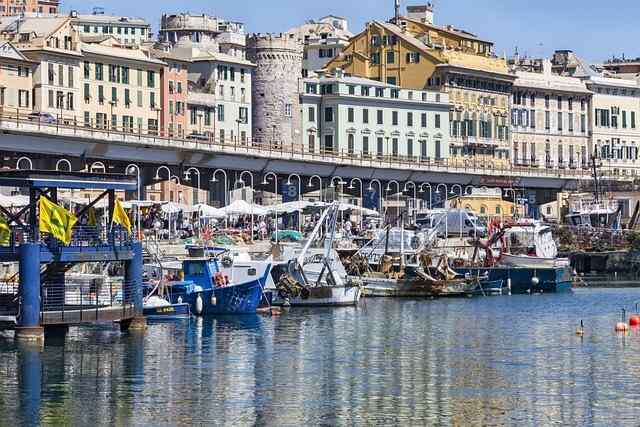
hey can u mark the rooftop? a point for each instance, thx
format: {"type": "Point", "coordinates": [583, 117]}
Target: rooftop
{"type": "Point", "coordinates": [120, 53]}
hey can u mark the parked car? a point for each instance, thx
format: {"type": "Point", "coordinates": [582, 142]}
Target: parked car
{"type": "Point", "coordinates": [198, 136]}
{"type": "Point", "coordinates": [42, 117]}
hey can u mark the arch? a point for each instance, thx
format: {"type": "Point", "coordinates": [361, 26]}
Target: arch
{"type": "Point", "coordinates": [63, 161]}
{"type": "Point", "coordinates": [96, 166]}
{"type": "Point", "coordinates": [24, 159]}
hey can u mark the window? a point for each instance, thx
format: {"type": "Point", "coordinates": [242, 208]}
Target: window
{"type": "Point", "coordinates": [312, 114]}
{"type": "Point", "coordinates": [375, 58]}
{"type": "Point", "coordinates": [127, 98]}
{"type": "Point", "coordinates": [380, 148]}
{"type": "Point", "coordinates": [570, 119]}
{"type": "Point", "coordinates": [423, 120]}
{"type": "Point", "coordinates": [559, 121]}
{"type": "Point", "coordinates": [364, 90]}
{"type": "Point", "coordinates": [87, 119]}
{"type": "Point", "coordinates": [394, 118]}
{"type": "Point", "coordinates": [352, 90]}
{"type": "Point", "coordinates": [328, 143]}
{"type": "Point", "coordinates": [140, 99]}
{"type": "Point", "coordinates": [365, 146]}
{"type": "Point", "coordinates": [409, 119]}
{"type": "Point", "coordinates": [624, 119]}
{"type": "Point", "coordinates": [410, 147]}
{"type": "Point", "coordinates": [391, 57]}
{"type": "Point", "coordinates": [395, 93]}
{"type": "Point", "coordinates": [60, 75]}
{"type": "Point", "coordinates": [99, 75]}
{"type": "Point", "coordinates": [583, 123]}
{"type": "Point", "coordinates": [152, 100]}
{"type": "Point", "coordinates": [350, 144]}
{"type": "Point", "coordinates": [328, 114]}
{"type": "Point", "coordinates": [87, 93]}
{"type": "Point", "coordinates": [243, 113]}
{"type": "Point", "coordinates": [23, 98]}
{"type": "Point", "coordinates": [394, 147]}
{"type": "Point", "coordinates": [413, 58]}
{"type": "Point", "coordinates": [288, 110]}
{"type": "Point", "coordinates": [380, 116]}
{"type": "Point", "coordinates": [437, 121]}
{"type": "Point", "coordinates": [559, 103]}
{"type": "Point", "coordinates": [101, 94]}
{"type": "Point", "coordinates": [207, 117]}
{"type": "Point", "coordinates": [220, 113]}
{"type": "Point", "coordinates": [312, 143]}
{"type": "Point", "coordinates": [532, 119]}
{"type": "Point", "coordinates": [350, 115]}
{"type": "Point", "coordinates": [70, 76]}
{"type": "Point", "coordinates": [193, 117]}
{"type": "Point", "coordinates": [87, 70]}
{"type": "Point", "coordinates": [547, 120]}
{"type": "Point", "coordinates": [233, 74]}
{"type": "Point", "coordinates": [365, 115]}
{"type": "Point", "coordinates": [125, 76]}
{"type": "Point", "coordinates": [633, 120]}
{"type": "Point", "coordinates": [151, 79]}
{"type": "Point", "coordinates": [114, 94]}
{"type": "Point", "coordinates": [423, 150]}
{"type": "Point", "coordinates": [380, 92]}
{"type": "Point", "coordinates": [112, 73]}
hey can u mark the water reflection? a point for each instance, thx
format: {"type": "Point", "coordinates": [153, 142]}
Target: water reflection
{"type": "Point", "coordinates": [482, 361]}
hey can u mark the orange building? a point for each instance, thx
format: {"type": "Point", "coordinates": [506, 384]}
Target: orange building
{"type": "Point", "coordinates": [16, 7]}
{"type": "Point", "coordinates": [173, 93]}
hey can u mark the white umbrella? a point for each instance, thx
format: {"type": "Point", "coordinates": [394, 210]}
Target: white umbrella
{"type": "Point", "coordinates": [291, 207]}
{"type": "Point", "coordinates": [128, 204]}
{"type": "Point", "coordinates": [240, 207]}
{"type": "Point", "coordinates": [171, 207]}
{"type": "Point", "coordinates": [206, 211]}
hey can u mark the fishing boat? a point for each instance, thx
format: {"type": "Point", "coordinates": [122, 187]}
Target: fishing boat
{"type": "Point", "coordinates": [209, 291]}
{"type": "Point", "coordinates": [530, 244]}
{"type": "Point", "coordinates": [158, 308]}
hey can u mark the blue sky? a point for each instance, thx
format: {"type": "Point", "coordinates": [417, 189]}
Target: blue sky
{"type": "Point", "coordinates": [594, 29]}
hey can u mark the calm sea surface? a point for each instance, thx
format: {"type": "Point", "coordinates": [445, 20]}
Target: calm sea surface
{"type": "Point", "coordinates": [485, 361]}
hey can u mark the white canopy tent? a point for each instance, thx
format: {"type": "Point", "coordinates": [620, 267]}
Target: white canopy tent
{"type": "Point", "coordinates": [173, 208]}
{"type": "Point", "coordinates": [206, 211]}
{"type": "Point", "coordinates": [240, 207]}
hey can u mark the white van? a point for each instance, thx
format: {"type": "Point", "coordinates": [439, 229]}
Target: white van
{"type": "Point", "coordinates": [452, 222]}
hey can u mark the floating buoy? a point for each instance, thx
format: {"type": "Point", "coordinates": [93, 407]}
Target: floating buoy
{"type": "Point", "coordinates": [622, 327]}
{"type": "Point", "coordinates": [580, 330]}
{"type": "Point", "coordinates": [634, 320]}
{"type": "Point", "coordinates": [535, 281]}
{"type": "Point", "coordinates": [199, 304]}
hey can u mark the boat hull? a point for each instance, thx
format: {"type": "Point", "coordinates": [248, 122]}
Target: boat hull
{"type": "Point", "coordinates": [173, 311]}
{"type": "Point", "coordinates": [524, 261]}
{"type": "Point", "coordinates": [521, 279]}
{"type": "Point", "coordinates": [323, 296]}
{"type": "Point", "coordinates": [489, 288]}
{"type": "Point", "coordinates": [382, 287]}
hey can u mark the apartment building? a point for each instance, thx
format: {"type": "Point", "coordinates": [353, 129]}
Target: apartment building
{"type": "Point", "coordinates": [550, 120]}
{"type": "Point", "coordinates": [53, 44]}
{"type": "Point", "coordinates": [219, 99]}
{"type": "Point", "coordinates": [120, 88]}
{"type": "Point", "coordinates": [40, 7]}
{"type": "Point", "coordinates": [174, 81]}
{"type": "Point", "coordinates": [366, 118]}
{"type": "Point", "coordinates": [16, 79]}
{"type": "Point", "coordinates": [127, 31]}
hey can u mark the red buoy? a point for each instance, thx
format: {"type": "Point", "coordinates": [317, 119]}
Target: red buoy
{"type": "Point", "coordinates": [634, 320]}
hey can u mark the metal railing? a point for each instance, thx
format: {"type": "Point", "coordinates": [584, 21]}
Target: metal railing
{"type": "Point", "coordinates": [73, 126]}
{"type": "Point", "coordinates": [91, 300]}
{"type": "Point", "coordinates": [81, 236]}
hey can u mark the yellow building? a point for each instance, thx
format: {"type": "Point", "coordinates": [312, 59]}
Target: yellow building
{"type": "Point", "coordinates": [413, 53]}
{"type": "Point", "coordinates": [487, 203]}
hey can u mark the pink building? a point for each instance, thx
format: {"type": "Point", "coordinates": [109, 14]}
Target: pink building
{"type": "Point", "coordinates": [173, 94]}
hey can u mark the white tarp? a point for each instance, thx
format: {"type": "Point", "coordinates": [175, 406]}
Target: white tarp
{"type": "Point", "coordinates": [206, 211]}
{"type": "Point", "coordinates": [290, 207]}
{"type": "Point", "coordinates": [240, 207]}
{"type": "Point", "coordinates": [362, 210]}
{"type": "Point", "coordinates": [128, 204]}
{"type": "Point", "coordinates": [18, 201]}
{"type": "Point", "coordinates": [173, 208]}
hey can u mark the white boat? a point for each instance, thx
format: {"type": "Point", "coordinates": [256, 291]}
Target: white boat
{"type": "Point", "coordinates": [526, 261]}
{"type": "Point", "coordinates": [526, 239]}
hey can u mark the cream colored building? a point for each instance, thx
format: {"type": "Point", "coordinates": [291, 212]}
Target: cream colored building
{"type": "Point", "coordinates": [550, 120]}
{"type": "Point", "coordinates": [53, 44]}
{"type": "Point", "coordinates": [16, 79]}
{"type": "Point", "coordinates": [616, 125]}
{"type": "Point", "coordinates": [120, 88]}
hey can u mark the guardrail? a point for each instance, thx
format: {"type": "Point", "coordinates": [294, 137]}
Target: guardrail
{"type": "Point", "coordinates": [72, 126]}
{"type": "Point", "coordinates": [86, 301]}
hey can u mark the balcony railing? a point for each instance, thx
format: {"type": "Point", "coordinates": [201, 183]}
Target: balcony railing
{"type": "Point", "coordinates": [74, 126]}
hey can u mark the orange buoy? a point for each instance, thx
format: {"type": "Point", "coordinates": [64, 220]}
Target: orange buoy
{"type": "Point", "coordinates": [634, 320]}
{"type": "Point", "coordinates": [622, 327]}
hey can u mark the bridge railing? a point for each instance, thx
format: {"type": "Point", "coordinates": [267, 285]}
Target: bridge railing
{"type": "Point", "coordinates": [81, 236]}
{"type": "Point", "coordinates": [85, 301]}
{"type": "Point", "coordinates": [74, 126]}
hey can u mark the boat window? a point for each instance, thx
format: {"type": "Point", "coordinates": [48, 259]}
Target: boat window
{"type": "Point", "coordinates": [195, 269]}
{"type": "Point", "coordinates": [252, 272]}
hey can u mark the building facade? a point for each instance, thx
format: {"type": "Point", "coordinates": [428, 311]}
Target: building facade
{"type": "Point", "coordinates": [17, 7]}
{"type": "Point", "coordinates": [174, 89]}
{"type": "Point", "coordinates": [412, 52]}
{"type": "Point", "coordinates": [121, 88]}
{"type": "Point", "coordinates": [16, 79]}
{"type": "Point", "coordinates": [550, 120]}
{"type": "Point", "coordinates": [615, 113]}
{"type": "Point", "coordinates": [127, 31]}
{"type": "Point", "coordinates": [323, 40]}
{"type": "Point", "coordinates": [368, 119]}
{"type": "Point", "coordinates": [54, 45]}
{"type": "Point", "coordinates": [206, 32]}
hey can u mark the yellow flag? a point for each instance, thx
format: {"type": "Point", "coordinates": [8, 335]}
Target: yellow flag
{"type": "Point", "coordinates": [56, 220]}
{"type": "Point", "coordinates": [121, 217]}
{"type": "Point", "coordinates": [5, 232]}
{"type": "Point", "coordinates": [91, 220]}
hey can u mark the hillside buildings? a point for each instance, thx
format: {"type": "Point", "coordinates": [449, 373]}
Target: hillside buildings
{"type": "Point", "coordinates": [127, 31]}
{"type": "Point", "coordinates": [40, 7]}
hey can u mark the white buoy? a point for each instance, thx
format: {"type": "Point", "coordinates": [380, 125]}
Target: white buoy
{"type": "Point", "coordinates": [214, 301]}
{"type": "Point", "coordinates": [179, 300]}
{"type": "Point", "coordinates": [199, 304]}
{"type": "Point", "coordinates": [509, 285]}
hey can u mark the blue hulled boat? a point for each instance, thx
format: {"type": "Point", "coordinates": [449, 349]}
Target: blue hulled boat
{"type": "Point", "coordinates": [526, 280]}
{"type": "Point", "coordinates": [209, 292]}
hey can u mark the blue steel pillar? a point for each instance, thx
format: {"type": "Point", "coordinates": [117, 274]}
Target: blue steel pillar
{"type": "Point", "coordinates": [30, 382]}
{"type": "Point", "coordinates": [29, 328]}
{"type": "Point", "coordinates": [133, 288]}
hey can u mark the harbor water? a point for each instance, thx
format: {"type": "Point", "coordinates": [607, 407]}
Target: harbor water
{"type": "Point", "coordinates": [482, 361]}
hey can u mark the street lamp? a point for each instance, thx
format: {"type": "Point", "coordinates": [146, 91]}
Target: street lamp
{"type": "Point", "coordinates": [422, 187]}
{"type": "Point", "coordinates": [351, 187]}
{"type": "Point", "coordinates": [241, 182]}
{"type": "Point", "coordinates": [388, 189]}
{"type": "Point", "coordinates": [187, 178]}
{"type": "Point", "coordinates": [214, 180]}
{"type": "Point", "coordinates": [275, 192]}
{"type": "Point", "coordinates": [130, 170]}
{"type": "Point", "coordinates": [377, 181]}
{"type": "Point", "coordinates": [319, 182]}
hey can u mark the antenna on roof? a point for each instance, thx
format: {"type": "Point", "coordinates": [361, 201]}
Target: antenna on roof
{"type": "Point", "coordinates": [397, 11]}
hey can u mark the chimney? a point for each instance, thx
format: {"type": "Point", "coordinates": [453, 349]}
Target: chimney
{"type": "Point", "coordinates": [396, 14]}
{"type": "Point", "coordinates": [422, 13]}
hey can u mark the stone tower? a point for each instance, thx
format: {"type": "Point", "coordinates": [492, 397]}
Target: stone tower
{"type": "Point", "coordinates": [276, 102]}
